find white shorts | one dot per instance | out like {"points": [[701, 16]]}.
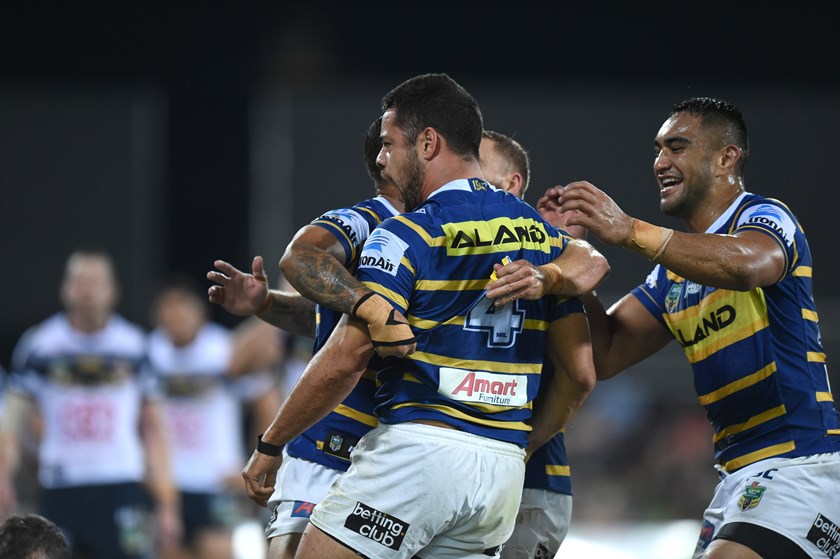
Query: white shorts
{"points": [[541, 525], [300, 485], [798, 498], [416, 489]]}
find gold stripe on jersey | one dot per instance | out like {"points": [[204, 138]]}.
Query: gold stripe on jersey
{"points": [[737, 385], [369, 374], [340, 231], [451, 285], [365, 418], [727, 317], [816, 357], [757, 455], [428, 239], [404, 262], [514, 425], [475, 365], [755, 420], [392, 295], [803, 271], [533, 324], [810, 315], [501, 234], [558, 470], [833, 432], [422, 323], [825, 397], [372, 213]]}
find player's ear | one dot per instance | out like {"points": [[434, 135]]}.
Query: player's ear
{"points": [[516, 185], [729, 155], [429, 143]]}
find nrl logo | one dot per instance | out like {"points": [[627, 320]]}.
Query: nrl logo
{"points": [[335, 442], [751, 497], [673, 297]]}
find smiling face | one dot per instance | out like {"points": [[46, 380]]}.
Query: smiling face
{"points": [[684, 165], [400, 162]]}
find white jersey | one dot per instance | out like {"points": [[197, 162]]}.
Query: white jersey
{"points": [[202, 407], [89, 388]]}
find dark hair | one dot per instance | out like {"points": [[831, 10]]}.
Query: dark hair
{"points": [[513, 152], [437, 101], [718, 113], [32, 536], [373, 145], [183, 286]]}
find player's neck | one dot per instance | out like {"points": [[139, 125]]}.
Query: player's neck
{"points": [[453, 168], [713, 206]]}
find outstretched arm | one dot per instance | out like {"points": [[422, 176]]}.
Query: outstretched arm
{"points": [[244, 294], [161, 485], [742, 261]]}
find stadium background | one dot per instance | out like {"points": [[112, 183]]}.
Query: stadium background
{"points": [[174, 134]]}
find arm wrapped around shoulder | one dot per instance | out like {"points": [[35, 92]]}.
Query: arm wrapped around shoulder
{"points": [[389, 330]]}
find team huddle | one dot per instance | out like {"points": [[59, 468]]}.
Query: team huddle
{"points": [[457, 333]]}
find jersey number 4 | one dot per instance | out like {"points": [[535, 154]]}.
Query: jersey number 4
{"points": [[501, 324]]}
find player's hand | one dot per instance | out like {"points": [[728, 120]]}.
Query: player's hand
{"points": [[517, 280], [238, 292], [389, 330], [260, 475], [593, 209], [550, 211]]}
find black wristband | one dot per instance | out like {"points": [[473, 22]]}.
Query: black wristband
{"points": [[361, 300], [268, 448]]}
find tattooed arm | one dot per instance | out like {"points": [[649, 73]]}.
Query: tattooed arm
{"points": [[313, 264]]}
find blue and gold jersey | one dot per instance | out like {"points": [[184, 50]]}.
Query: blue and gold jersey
{"points": [[330, 441], [759, 366], [548, 467], [477, 366]]}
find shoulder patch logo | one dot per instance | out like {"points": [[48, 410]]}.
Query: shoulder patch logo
{"points": [[383, 251]]}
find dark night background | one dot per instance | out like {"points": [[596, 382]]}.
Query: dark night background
{"points": [[175, 134]]}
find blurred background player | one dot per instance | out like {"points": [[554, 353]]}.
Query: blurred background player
{"points": [[103, 442], [204, 407]]}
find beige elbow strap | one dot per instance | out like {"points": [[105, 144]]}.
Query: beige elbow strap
{"points": [[553, 277], [648, 239]]}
